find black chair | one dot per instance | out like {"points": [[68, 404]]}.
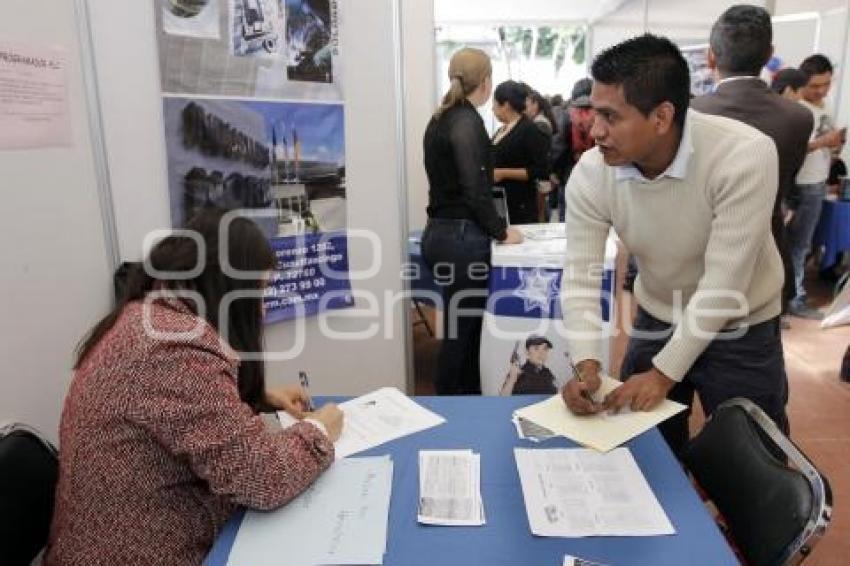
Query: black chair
{"points": [[776, 505], [29, 469]]}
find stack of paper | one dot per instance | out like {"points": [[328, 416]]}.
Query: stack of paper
{"points": [[602, 431], [576, 492], [376, 418], [528, 430], [340, 519], [450, 488]]}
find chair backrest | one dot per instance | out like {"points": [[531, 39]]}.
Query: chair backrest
{"points": [[774, 501], [29, 469]]}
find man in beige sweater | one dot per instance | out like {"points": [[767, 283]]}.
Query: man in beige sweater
{"points": [[691, 197]]}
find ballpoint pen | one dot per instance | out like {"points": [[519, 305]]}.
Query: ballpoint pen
{"points": [[305, 385], [585, 393]]}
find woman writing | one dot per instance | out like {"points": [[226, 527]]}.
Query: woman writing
{"points": [[160, 436], [462, 220], [520, 153]]}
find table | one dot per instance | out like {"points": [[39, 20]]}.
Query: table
{"points": [[483, 425], [832, 231]]}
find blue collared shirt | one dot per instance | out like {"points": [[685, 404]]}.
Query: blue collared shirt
{"points": [[677, 169]]}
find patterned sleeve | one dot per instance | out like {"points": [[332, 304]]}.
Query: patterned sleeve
{"points": [[188, 401]]}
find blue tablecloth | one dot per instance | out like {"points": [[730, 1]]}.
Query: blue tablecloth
{"points": [[483, 425], [833, 231]]}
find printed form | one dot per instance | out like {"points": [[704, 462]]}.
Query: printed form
{"points": [[577, 492], [450, 488]]}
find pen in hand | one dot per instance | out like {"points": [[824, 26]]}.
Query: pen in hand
{"points": [[305, 385], [577, 375]]}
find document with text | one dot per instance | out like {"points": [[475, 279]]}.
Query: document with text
{"points": [[375, 418], [340, 519], [602, 431], [450, 488], [576, 492]]}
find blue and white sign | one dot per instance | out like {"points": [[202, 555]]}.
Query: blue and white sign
{"points": [[523, 347]]}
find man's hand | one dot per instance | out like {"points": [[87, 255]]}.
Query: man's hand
{"points": [[289, 398], [642, 392], [831, 139], [577, 393]]}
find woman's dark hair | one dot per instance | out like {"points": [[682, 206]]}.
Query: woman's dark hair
{"points": [[795, 78], [651, 70], [545, 108], [513, 93], [247, 250]]}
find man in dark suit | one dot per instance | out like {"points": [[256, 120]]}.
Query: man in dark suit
{"points": [[740, 45]]}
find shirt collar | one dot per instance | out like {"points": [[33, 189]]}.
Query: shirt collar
{"points": [[678, 168], [736, 79]]}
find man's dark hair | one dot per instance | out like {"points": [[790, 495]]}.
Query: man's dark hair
{"points": [[513, 93], [651, 71], [816, 64], [557, 100], [741, 40], [795, 78]]}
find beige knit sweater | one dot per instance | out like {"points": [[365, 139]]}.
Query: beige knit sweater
{"points": [[706, 257]]}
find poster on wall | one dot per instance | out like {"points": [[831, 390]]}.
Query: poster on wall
{"points": [[191, 18], [275, 49], [284, 164], [34, 109], [523, 343], [254, 121]]}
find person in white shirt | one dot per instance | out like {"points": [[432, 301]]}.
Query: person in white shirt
{"points": [[691, 196], [811, 180]]}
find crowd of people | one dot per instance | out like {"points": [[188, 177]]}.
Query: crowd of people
{"points": [[716, 198]]}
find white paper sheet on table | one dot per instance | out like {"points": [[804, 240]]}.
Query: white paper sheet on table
{"points": [[450, 488], [340, 519], [602, 431], [375, 418], [576, 492]]}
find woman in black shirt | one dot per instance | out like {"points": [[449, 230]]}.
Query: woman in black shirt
{"points": [[520, 153], [462, 220]]}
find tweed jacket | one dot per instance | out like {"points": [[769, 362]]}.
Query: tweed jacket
{"points": [[157, 449]]}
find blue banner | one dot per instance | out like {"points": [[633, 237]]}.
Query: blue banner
{"points": [[312, 276], [533, 292]]}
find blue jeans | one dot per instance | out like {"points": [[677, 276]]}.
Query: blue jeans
{"points": [[800, 232], [450, 247]]}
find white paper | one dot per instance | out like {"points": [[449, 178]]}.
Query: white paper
{"points": [[340, 519], [576, 561], [376, 418], [450, 488], [576, 492], [602, 431], [177, 20], [33, 96]]}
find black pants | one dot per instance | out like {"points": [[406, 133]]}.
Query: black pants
{"points": [[751, 366], [777, 226], [458, 253]]}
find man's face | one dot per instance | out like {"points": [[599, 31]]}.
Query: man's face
{"points": [[817, 88], [582, 118], [622, 133], [537, 354]]}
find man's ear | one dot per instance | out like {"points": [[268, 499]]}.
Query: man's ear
{"points": [[711, 60], [664, 117]]}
